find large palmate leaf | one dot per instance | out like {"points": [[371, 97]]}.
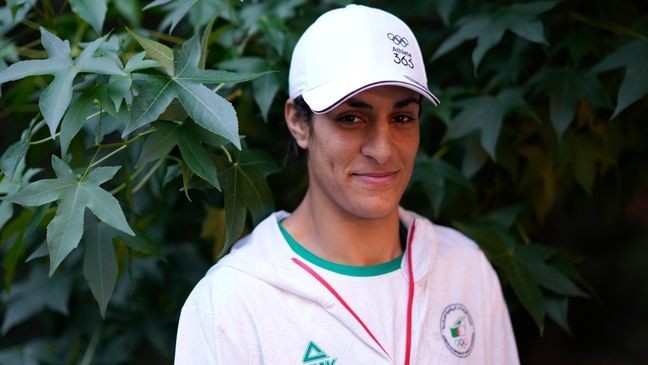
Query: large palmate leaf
{"points": [[566, 87], [485, 114], [489, 28], [190, 138], [525, 267], [73, 195], [56, 98], [634, 57], [186, 82], [245, 188]]}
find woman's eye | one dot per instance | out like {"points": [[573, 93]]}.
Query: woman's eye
{"points": [[403, 119], [350, 119]]}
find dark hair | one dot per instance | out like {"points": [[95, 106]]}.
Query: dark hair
{"points": [[295, 153]]}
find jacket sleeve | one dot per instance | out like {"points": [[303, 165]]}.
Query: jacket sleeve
{"points": [[215, 327]]}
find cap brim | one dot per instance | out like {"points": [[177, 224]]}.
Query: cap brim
{"points": [[325, 97]]}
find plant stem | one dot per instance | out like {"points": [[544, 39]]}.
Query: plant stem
{"points": [[229, 156], [607, 25], [92, 347], [441, 152], [124, 143], [107, 156], [148, 175], [45, 139]]}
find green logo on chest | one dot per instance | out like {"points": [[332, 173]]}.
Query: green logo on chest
{"points": [[314, 355]]}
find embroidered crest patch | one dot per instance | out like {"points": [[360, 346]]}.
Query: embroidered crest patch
{"points": [[458, 329]]}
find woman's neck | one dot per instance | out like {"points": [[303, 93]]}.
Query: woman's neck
{"points": [[343, 238]]}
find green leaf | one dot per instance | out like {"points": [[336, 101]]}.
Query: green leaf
{"points": [[143, 245], [187, 57], [265, 90], [36, 294], [492, 238], [585, 152], [204, 45], [209, 110], [204, 106], [34, 352], [634, 57], [100, 263], [20, 245], [546, 275], [129, 9], [154, 98], [506, 216], [245, 188], [159, 143], [219, 76], [119, 87], [485, 114], [56, 98], [176, 11], [39, 192], [445, 8], [475, 157], [566, 87], [275, 30], [92, 11], [12, 156], [65, 230], [80, 110], [526, 289], [197, 158], [557, 309], [434, 174], [157, 51], [488, 28]]}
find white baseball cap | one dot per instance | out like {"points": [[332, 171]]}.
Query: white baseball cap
{"points": [[351, 49]]}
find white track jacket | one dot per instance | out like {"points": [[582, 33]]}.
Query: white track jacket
{"points": [[266, 304]]}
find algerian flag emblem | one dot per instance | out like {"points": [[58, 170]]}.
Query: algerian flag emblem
{"points": [[458, 329]]}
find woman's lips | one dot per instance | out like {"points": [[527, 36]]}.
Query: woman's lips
{"points": [[376, 178]]}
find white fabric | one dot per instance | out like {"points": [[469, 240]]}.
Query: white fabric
{"points": [[256, 306], [350, 49]]}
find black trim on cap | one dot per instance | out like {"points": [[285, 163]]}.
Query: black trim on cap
{"points": [[416, 85]]}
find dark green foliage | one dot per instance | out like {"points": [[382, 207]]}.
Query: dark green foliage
{"points": [[165, 119]]}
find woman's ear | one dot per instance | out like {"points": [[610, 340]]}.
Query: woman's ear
{"points": [[298, 126]]}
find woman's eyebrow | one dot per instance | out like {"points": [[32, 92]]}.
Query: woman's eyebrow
{"points": [[405, 102], [357, 103]]}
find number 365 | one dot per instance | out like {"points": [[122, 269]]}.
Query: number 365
{"points": [[403, 60]]}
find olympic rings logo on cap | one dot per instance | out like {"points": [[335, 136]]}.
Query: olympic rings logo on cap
{"points": [[398, 40]]}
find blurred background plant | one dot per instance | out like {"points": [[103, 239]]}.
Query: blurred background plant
{"points": [[165, 120]]}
